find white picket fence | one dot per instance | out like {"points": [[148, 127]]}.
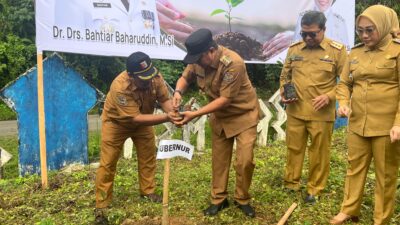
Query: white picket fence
{"points": [[275, 117]]}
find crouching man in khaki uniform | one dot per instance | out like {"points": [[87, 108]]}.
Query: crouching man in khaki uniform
{"points": [[128, 113], [233, 104]]}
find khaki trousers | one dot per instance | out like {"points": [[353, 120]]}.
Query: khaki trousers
{"points": [[222, 149], [297, 133], [113, 138], [386, 160]]}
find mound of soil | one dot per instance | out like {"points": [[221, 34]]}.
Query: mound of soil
{"points": [[246, 47]]}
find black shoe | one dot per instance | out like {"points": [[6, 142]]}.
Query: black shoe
{"points": [[152, 197], [213, 209], [311, 199], [100, 216], [246, 209]]}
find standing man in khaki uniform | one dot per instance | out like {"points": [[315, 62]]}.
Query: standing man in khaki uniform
{"points": [[368, 93], [233, 104], [312, 66], [128, 113]]}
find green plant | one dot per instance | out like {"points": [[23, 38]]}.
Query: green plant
{"points": [[231, 4], [6, 113]]}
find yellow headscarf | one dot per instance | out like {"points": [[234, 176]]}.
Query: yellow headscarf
{"points": [[395, 22], [383, 19]]}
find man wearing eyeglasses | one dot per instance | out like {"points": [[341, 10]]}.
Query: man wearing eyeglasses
{"points": [[311, 66]]}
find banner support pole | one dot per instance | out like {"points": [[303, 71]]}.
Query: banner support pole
{"points": [[41, 120], [165, 216]]}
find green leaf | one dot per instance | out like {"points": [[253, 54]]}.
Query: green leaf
{"points": [[217, 11], [236, 2]]}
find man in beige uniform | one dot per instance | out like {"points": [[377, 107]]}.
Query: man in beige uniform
{"points": [[233, 104], [128, 113], [312, 66]]}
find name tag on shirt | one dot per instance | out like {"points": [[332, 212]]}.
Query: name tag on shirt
{"points": [[101, 5]]}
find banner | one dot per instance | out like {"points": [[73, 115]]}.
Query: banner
{"points": [[172, 148], [258, 30]]}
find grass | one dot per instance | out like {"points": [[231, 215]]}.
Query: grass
{"points": [[6, 113], [70, 197]]}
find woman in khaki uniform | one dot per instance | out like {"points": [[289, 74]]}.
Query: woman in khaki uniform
{"points": [[368, 93]]}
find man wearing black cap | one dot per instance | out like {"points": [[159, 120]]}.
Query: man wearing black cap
{"points": [[234, 114], [128, 113]]}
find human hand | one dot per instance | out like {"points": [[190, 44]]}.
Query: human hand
{"points": [[395, 134], [277, 44], [343, 111], [286, 101], [320, 101], [168, 16], [187, 117], [174, 11], [174, 116], [176, 100]]}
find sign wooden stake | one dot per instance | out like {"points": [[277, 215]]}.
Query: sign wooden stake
{"points": [[165, 216], [42, 128]]}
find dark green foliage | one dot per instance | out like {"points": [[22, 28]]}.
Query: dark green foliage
{"points": [[16, 57], [17, 35], [171, 70], [100, 71]]}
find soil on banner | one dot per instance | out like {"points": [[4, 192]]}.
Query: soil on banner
{"points": [[246, 47]]}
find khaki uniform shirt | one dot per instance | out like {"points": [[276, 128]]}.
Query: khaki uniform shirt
{"points": [[371, 81], [313, 73], [125, 101], [227, 77]]}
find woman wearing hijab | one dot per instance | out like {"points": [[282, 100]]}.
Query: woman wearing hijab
{"points": [[368, 93]]}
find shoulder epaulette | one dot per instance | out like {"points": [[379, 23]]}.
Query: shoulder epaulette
{"points": [[226, 60], [358, 45], [338, 16], [295, 43], [396, 40], [336, 45]]}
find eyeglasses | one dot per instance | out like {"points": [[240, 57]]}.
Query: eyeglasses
{"points": [[368, 31], [311, 34]]}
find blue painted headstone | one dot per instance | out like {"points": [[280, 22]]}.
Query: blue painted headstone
{"points": [[67, 99]]}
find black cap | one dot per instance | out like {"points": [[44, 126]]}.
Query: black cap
{"points": [[139, 64], [197, 43]]}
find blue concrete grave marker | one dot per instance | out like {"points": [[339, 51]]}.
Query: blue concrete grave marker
{"points": [[67, 99]]}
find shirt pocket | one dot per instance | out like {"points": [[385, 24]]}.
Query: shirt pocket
{"points": [[354, 70], [295, 68], [296, 64], [201, 82], [216, 85], [324, 72], [387, 68]]}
